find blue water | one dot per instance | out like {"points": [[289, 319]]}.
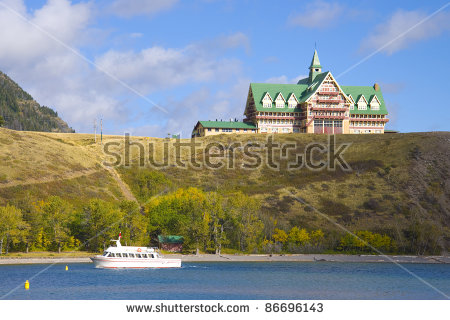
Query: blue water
{"points": [[228, 280]]}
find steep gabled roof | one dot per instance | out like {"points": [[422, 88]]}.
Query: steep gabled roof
{"points": [[361, 96], [290, 96], [278, 95], [314, 86], [260, 89], [266, 94], [374, 97], [368, 92]]}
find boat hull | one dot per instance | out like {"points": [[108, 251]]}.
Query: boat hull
{"points": [[107, 262]]}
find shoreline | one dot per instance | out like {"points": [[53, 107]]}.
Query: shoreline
{"points": [[253, 258]]}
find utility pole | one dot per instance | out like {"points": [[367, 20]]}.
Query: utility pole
{"points": [[101, 131], [95, 130]]}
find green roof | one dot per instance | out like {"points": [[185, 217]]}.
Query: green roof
{"points": [[227, 124], [315, 63], [368, 92], [300, 90], [303, 91], [170, 239]]}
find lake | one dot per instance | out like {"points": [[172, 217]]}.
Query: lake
{"points": [[228, 280]]}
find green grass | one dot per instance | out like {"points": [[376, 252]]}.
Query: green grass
{"points": [[396, 178]]}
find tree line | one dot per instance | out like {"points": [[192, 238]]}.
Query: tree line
{"points": [[208, 222]]}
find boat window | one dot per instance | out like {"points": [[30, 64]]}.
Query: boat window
{"points": [[105, 253], [118, 255], [138, 255], [144, 255], [131, 255], [112, 255], [152, 256], [125, 255]]}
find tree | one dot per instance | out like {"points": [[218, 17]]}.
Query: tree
{"points": [[298, 237], [12, 226], [218, 220], [134, 224], [2, 121], [244, 211], [280, 236], [317, 237], [101, 223], [57, 215]]}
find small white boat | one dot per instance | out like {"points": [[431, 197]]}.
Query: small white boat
{"points": [[133, 257]]}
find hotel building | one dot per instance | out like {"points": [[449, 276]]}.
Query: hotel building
{"points": [[316, 104]]}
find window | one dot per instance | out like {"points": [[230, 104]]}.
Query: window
{"points": [[125, 255], [267, 101], [105, 253], [227, 130], [118, 255], [209, 129], [144, 255], [112, 255], [217, 130], [138, 255], [131, 255], [237, 130]]}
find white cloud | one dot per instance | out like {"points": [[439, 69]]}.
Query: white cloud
{"points": [[56, 77], [156, 67], [285, 79], [130, 8], [201, 104], [22, 43], [401, 22], [318, 14]]}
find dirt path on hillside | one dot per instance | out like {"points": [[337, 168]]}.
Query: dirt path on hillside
{"points": [[126, 191], [64, 176]]}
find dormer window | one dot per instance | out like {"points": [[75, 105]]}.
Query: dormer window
{"points": [[292, 102], [362, 103], [352, 106], [375, 103], [279, 101], [267, 101]]}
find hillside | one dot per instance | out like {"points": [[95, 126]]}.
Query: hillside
{"points": [[21, 112], [399, 183]]}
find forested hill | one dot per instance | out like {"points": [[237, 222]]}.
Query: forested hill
{"points": [[21, 112]]}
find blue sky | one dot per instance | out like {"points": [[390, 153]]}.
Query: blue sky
{"points": [[153, 67]]}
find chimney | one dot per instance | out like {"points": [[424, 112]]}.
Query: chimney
{"points": [[376, 86]]}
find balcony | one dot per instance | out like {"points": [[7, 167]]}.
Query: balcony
{"points": [[330, 101], [328, 93], [370, 119], [328, 109], [328, 117]]}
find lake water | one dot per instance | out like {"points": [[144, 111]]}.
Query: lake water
{"points": [[228, 280]]}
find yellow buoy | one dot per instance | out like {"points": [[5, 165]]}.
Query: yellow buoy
{"points": [[27, 285], [67, 268]]}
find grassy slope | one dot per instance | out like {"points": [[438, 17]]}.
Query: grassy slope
{"points": [[396, 178]]}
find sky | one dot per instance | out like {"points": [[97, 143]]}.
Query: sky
{"points": [[154, 67]]}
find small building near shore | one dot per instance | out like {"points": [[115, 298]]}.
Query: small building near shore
{"points": [[171, 243]]}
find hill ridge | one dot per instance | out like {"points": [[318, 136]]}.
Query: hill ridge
{"points": [[21, 112]]}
